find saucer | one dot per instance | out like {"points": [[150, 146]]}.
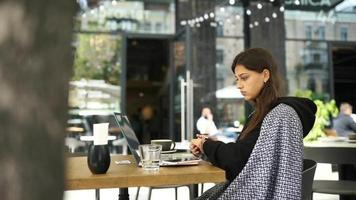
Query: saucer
{"points": [[170, 151]]}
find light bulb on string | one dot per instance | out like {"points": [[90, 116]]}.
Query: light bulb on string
{"points": [[183, 23], [251, 25], [271, 1], [274, 15], [198, 25], [201, 19], [259, 6], [267, 19], [248, 12], [222, 9], [238, 17], [231, 2], [114, 3], [228, 20], [256, 23], [297, 2], [281, 8], [206, 16], [212, 15]]}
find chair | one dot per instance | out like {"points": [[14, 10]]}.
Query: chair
{"points": [[121, 142], [335, 187], [345, 158], [308, 178]]}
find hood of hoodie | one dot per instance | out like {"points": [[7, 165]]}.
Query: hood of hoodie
{"points": [[305, 109]]}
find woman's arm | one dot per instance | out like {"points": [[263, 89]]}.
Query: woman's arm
{"points": [[231, 157]]}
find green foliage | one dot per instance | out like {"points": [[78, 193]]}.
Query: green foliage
{"points": [[96, 58], [326, 110]]}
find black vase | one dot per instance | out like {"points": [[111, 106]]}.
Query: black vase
{"points": [[98, 159]]}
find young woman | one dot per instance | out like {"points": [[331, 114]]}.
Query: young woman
{"points": [[258, 80]]}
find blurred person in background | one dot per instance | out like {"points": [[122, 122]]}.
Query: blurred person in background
{"points": [[205, 123], [344, 123]]}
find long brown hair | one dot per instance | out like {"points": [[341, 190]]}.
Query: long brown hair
{"points": [[258, 59]]}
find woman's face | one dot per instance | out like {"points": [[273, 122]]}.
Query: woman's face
{"points": [[249, 82]]}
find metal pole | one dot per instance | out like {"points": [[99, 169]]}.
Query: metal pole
{"points": [[188, 105], [191, 110], [182, 109]]}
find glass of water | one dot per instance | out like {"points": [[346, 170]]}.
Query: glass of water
{"points": [[150, 156]]}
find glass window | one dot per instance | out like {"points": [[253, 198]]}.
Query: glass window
{"points": [[230, 106], [95, 85], [319, 25], [343, 33], [321, 33], [220, 30], [130, 16], [308, 31], [220, 56], [307, 67]]}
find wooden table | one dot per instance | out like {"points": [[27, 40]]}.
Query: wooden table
{"points": [[78, 175], [342, 153]]}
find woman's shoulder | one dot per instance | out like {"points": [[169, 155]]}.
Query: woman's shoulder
{"points": [[303, 107]]}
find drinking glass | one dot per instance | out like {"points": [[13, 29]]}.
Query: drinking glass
{"points": [[150, 156]]}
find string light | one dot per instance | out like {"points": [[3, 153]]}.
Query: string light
{"points": [[248, 12], [196, 21], [297, 2], [281, 8], [274, 15], [114, 3]]}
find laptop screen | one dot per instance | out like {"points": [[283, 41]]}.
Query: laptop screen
{"points": [[129, 134]]}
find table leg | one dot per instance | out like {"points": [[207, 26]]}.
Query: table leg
{"points": [[97, 194], [193, 191], [124, 194]]}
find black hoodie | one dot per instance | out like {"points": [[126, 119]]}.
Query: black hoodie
{"points": [[232, 157]]}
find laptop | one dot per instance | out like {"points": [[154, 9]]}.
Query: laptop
{"points": [[133, 143]]}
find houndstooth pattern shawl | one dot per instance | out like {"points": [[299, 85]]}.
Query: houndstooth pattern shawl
{"points": [[274, 169]]}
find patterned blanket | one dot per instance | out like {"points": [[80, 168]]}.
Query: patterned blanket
{"points": [[274, 169]]}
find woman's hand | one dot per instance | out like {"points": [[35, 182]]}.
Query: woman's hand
{"points": [[196, 145]]}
